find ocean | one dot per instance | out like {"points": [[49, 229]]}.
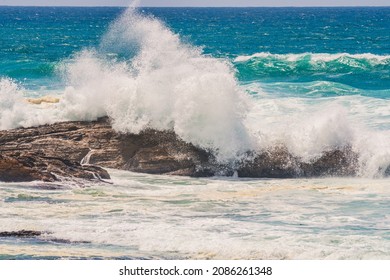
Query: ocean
{"points": [[227, 80]]}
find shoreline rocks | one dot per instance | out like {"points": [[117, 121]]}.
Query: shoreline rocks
{"points": [[82, 149], [21, 233], [40, 235], [279, 163]]}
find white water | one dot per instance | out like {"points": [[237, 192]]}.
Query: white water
{"points": [[373, 59], [166, 85], [165, 217], [160, 82], [15, 111]]}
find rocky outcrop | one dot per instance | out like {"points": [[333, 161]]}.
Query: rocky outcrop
{"points": [[44, 236], [82, 149], [279, 163], [274, 163], [21, 233], [31, 166], [339, 162]]}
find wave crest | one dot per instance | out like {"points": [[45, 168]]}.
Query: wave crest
{"points": [[372, 59], [357, 70], [165, 85]]}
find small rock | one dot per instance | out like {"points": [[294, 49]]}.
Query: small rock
{"points": [[21, 233], [275, 163]]}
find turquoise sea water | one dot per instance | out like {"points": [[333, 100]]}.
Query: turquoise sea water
{"points": [[228, 80], [35, 40]]}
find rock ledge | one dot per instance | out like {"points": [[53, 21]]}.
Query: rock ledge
{"points": [[82, 149]]}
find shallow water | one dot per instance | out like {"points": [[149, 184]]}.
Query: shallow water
{"points": [[164, 217]]}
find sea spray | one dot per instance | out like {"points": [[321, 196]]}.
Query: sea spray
{"points": [[16, 111], [307, 128], [159, 82], [10, 100]]}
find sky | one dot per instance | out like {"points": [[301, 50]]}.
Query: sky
{"points": [[197, 3]]}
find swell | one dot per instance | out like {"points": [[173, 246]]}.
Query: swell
{"points": [[36, 70], [366, 71], [313, 89]]}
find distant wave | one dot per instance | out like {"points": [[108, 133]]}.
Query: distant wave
{"points": [[347, 58], [358, 70], [313, 89], [40, 70]]}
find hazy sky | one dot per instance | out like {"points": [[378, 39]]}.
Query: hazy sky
{"points": [[177, 3]]}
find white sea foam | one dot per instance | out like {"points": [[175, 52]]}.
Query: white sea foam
{"points": [[308, 127], [317, 57], [168, 217], [10, 97], [15, 111]]}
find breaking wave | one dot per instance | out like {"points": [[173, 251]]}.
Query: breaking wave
{"points": [[153, 80], [143, 76], [357, 70], [342, 58]]}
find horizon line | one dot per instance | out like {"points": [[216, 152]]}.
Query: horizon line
{"points": [[116, 6]]}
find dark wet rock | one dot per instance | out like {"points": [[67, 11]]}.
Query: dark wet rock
{"points": [[40, 235], [167, 155], [31, 166], [340, 162], [275, 163], [21, 233], [65, 241], [20, 169], [387, 171], [71, 150], [46, 153], [279, 163]]}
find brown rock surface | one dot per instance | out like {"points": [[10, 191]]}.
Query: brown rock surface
{"points": [[77, 149], [51, 152]]}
